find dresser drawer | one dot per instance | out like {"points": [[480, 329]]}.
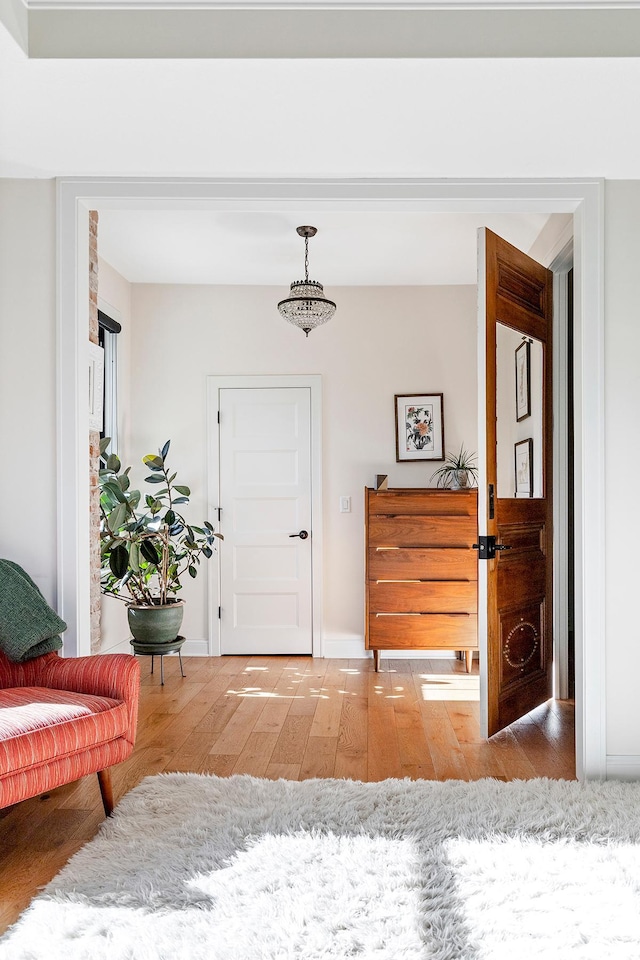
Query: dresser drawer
{"points": [[415, 563], [433, 596], [410, 502], [406, 531], [427, 631]]}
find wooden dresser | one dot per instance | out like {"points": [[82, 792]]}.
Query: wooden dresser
{"points": [[421, 570]]}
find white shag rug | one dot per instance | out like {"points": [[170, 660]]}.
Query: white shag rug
{"points": [[196, 867]]}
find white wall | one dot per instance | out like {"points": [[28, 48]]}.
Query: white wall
{"points": [[27, 379], [622, 412], [381, 341]]}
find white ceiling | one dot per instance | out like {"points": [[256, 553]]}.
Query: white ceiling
{"points": [[350, 248], [339, 118]]}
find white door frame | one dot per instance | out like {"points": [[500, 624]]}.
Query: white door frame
{"points": [[314, 384], [583, 198], [560, 265]]}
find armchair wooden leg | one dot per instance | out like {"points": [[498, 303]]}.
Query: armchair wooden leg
{"points": [[106, 790]]}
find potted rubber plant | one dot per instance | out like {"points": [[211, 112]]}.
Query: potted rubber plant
{"points": [[458, 471], [147, 545]]}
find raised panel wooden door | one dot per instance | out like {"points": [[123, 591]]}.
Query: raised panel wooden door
{"points": [[519, 464], [265, 493]]}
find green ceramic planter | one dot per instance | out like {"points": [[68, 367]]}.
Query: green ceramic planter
{"points": [[156, 624]]}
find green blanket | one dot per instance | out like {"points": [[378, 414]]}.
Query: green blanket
{"points": [[28, 625]]}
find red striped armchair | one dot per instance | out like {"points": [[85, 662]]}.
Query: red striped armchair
{"points": [[63, 719]]}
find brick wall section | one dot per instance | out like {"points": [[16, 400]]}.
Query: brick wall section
{"points": [[94, 445]]}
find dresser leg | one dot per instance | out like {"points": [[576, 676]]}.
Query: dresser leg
{"points": [[376, 661], [468, 655]]}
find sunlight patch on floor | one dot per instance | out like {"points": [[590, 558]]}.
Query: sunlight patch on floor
{"points": [[450, 686]]}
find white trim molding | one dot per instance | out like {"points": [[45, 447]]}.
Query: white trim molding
{"points": [[583, 198], [111, 29], [561, 265], [623, 767]]}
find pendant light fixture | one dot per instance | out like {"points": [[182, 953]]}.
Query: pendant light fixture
{"points": [[306, 306]]}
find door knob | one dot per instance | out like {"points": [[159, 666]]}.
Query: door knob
{"points": [[303, 534], [487, 547]]}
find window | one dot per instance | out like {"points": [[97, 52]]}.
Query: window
{"points": [[108, 330]]}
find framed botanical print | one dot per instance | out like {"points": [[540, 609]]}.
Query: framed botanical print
{"points": [[524, 468], [419, 426], [523, 381]]}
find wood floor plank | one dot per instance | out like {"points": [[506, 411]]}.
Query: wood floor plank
{"points": [[326, 717], [236, 732], [308, 687], [273, 716], [283, 771], [383, 755], [351, 751], [256, 754], [413, 747], [319, 758], [219, 764], [292, 740]]}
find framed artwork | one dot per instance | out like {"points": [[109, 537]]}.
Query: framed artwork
{"points": [[523, 381], [419, 426], [524, 468]]}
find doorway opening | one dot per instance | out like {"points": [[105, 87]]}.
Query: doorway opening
{"points": [[582, 199]]}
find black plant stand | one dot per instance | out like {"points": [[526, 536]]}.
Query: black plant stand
{"points": [[159, 650]]}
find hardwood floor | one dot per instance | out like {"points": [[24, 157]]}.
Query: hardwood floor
{"points": [[294, 718]]}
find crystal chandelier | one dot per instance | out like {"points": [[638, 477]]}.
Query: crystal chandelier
{"points": [[306, 306]]}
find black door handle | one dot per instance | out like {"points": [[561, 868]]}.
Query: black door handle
{"points": [[303, 534], [487, 546]]}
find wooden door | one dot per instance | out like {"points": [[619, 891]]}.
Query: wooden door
{"points": [[265, 495], [519, 461]]}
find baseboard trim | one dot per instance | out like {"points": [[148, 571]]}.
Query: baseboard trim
{"points": [[344, 648], [195, 648], [123, 646], [333, 648], [625, 767]]}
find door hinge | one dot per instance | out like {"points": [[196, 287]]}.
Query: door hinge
{"points": [[219, 512], [218, 416], [219, 613]]}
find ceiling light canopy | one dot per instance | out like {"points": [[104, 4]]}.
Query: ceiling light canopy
{"points": [[306, 306]]}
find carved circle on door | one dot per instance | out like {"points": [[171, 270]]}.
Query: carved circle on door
{"points": [[520, 634]]}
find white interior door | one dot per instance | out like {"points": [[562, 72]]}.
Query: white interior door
{"points": [[265, 496]]}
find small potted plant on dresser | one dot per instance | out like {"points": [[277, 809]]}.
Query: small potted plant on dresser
{"points": [[458, 471], [145, 551]]}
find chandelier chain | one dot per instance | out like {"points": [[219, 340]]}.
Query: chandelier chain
{"points": [[306, 259]]}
